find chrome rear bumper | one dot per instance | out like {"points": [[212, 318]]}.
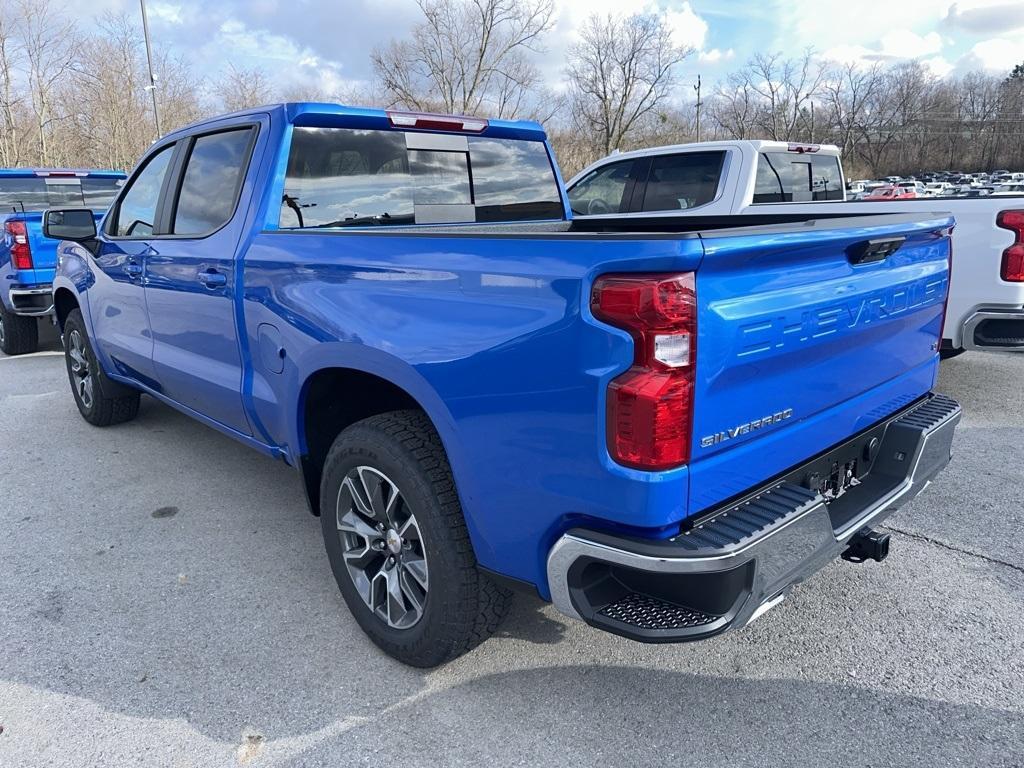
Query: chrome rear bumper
{"points": [[31, 302], [743, 558], [995, 329]]}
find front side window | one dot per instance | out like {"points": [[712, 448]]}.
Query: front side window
{"points": [[340, 177], [681, 182], [602, 190], [136, 213], [213, 176]]}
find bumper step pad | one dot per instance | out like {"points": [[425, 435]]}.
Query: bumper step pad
{"points": [[646, 612]]}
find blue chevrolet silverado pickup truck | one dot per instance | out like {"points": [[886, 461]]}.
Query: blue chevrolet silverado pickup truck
{"points": [[27, 259], [659, 426]]}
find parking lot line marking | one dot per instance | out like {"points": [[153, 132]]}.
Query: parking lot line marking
{"points": [[33, 354]]}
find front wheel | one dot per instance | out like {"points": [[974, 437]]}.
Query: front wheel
{"points": [[398, 545], [101, 402], [19, 335]]}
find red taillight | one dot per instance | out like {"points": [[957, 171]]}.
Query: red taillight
{"points": [[21, 252], [650, 406], [437, 122], [1013, 257]]}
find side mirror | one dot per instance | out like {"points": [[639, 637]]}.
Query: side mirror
{"points": [[75, 224]]}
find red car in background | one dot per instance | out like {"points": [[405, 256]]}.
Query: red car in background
{"points": [[891, 193]]}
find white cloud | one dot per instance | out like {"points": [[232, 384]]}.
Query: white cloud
{"points": [[716, 55], [688, 29], [169, 13], [939, 65], [897, 45], [999, 54]]}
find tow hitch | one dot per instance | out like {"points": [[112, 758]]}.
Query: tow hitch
{"points": [[867, 544]]}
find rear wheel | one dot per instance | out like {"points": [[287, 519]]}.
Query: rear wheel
{"points": [[101, 402], [398, 545], [18, 335]]}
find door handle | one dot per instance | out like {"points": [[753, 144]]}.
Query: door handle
{"points": [[211, 278], [132, 269]]}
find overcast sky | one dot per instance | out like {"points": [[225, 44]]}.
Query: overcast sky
{"points": [[329, 42]]}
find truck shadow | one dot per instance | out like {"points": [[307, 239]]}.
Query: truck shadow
{"points": [[621, 716]]}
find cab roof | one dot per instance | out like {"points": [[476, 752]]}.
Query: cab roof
{"points": [[28, 173], [317, 114]]}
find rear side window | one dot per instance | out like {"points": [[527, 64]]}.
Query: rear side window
{"points": [[213, 176], [784, 177], [684, 181], [340, 177], [602, 190], [136, 213]]}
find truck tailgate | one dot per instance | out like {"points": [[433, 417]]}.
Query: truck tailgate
{"points": [[808, 334]]}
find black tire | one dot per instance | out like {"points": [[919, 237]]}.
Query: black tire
{"points": [[104, 402], [18, 335], [461, 606], [949, 354]]}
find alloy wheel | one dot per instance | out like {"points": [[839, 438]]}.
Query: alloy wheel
{"points": [[82, 377], [382, 547]]}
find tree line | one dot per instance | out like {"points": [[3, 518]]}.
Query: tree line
{"points": [[70, 97]]}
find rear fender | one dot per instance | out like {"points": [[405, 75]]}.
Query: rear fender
{"points": [[377, 363]]}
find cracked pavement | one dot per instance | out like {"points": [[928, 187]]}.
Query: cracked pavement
{"points": [[166, 602]]}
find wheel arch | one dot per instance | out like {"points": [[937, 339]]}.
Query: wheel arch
{"points": [[333, 397], [64, 303]]}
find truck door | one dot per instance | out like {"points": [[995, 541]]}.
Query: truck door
{"points": [[190, 277], [117, 303]]}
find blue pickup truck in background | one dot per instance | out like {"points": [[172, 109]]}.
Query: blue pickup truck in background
{"points": [[27, 259], [660, 426]]}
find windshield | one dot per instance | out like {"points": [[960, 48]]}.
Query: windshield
{"points": [[37, 193]]}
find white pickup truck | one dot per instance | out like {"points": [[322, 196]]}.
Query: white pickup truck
{"points": [[771, 181]]}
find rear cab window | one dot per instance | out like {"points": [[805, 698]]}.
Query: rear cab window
{"points": [[789, 177], [37, 193], [343, 177]]}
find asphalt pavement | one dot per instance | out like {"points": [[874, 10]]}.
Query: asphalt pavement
{"points": [[165, 600]]}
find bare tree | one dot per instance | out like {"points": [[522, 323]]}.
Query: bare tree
{"points": [[241, 88], [732, 107], [10, 149], [48, 38], [620, 72], [467, 57], [846, 91]]}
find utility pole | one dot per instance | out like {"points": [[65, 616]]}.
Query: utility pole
{"points": [[812, 121], [152, 78], [697, 89]]}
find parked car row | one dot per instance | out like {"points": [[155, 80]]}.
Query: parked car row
{"points": [[941, 184], [658, 400]]}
